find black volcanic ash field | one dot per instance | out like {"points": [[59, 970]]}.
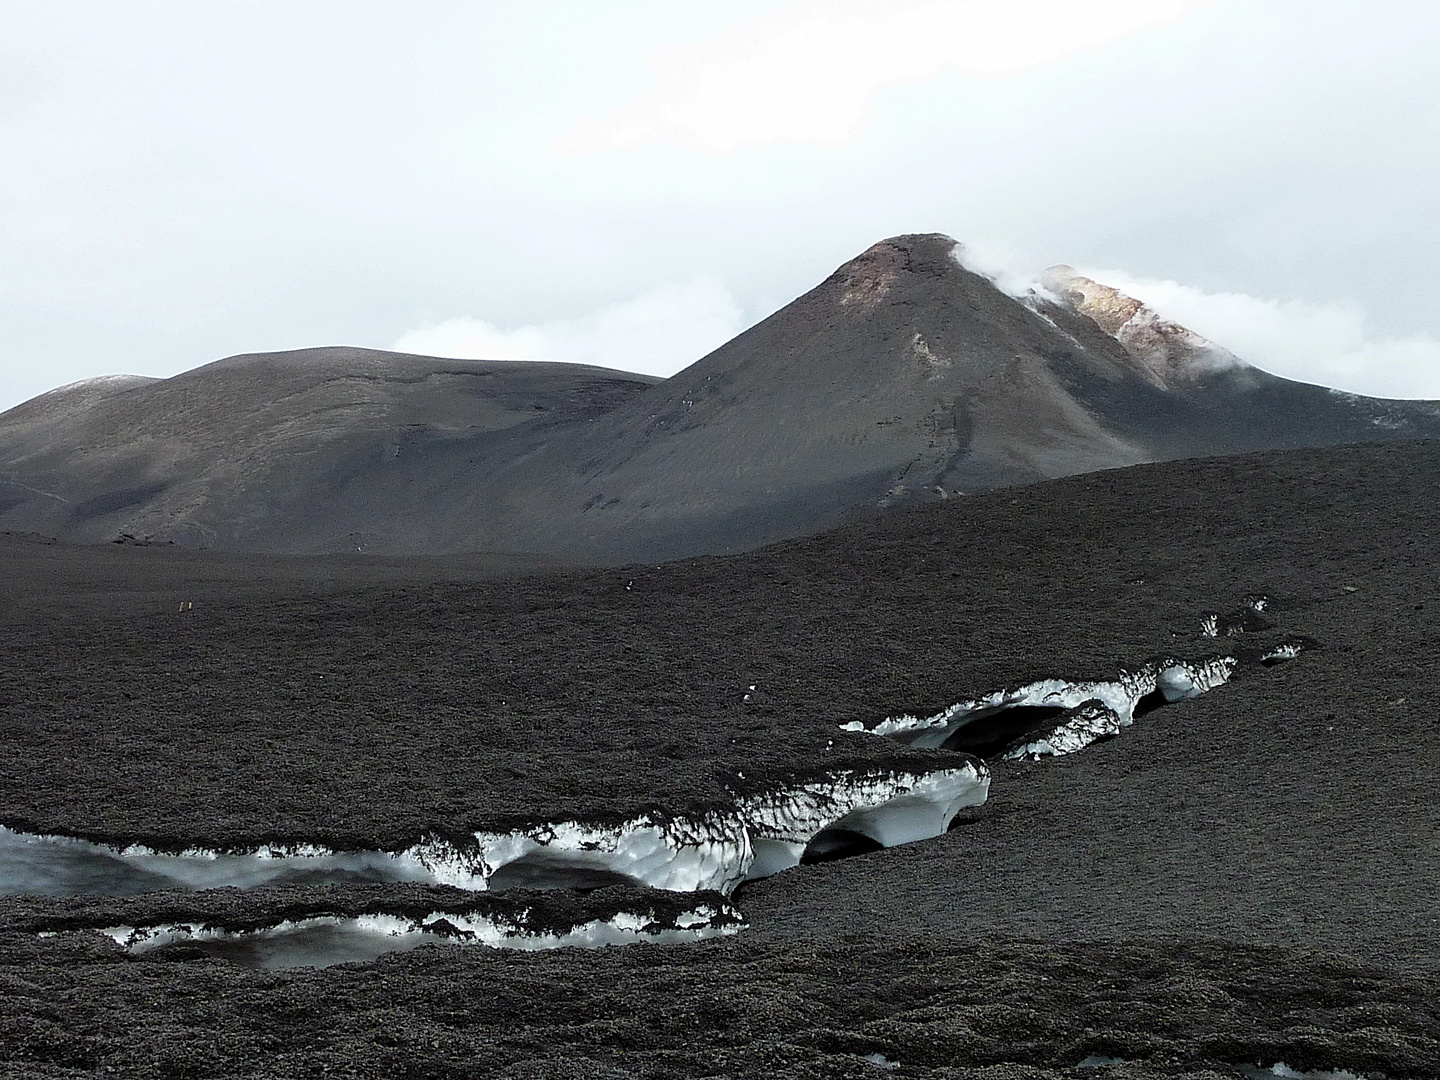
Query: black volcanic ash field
{"points": [[1249, 876]]}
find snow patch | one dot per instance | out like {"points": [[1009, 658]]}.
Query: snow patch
{"points": [[761, 835], [63, 866], [680, 855], [1281, 653], [323, 941], [1280, 1069], [1174, 680], [1255, 1072], [888, 809], [1078, 728]]}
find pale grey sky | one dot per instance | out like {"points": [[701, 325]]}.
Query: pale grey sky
{"points": [[631, 182]]}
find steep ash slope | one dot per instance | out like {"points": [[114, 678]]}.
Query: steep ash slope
{"points": [[902, 376]]}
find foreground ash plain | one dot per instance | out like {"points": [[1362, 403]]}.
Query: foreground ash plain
{"points": [[1245, 878]]}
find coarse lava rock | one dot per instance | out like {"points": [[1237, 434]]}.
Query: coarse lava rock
{"points": [[940, 1007]]}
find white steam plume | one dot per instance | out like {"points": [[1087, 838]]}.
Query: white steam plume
{"points": [[999, 267], [1329, 344]]}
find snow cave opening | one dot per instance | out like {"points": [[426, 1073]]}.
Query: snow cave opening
{"points": [[837, 843], [543, 869], [1149, 703], [989, 731]]}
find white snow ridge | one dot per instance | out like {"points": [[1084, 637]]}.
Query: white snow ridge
{"points": [[760, 835], [1080, 726], [325, 940], [1088, 710], [765, 834], [886, 809]]}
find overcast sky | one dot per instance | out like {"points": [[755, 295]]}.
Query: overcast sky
{"points": [[631, 182]]}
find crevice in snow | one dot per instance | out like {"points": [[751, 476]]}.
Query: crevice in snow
{"points": [[836, 842], [760, 835], [323, 941], [990, 731]]}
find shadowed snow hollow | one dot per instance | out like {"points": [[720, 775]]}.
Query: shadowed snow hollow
{"points": [[1054, 716]]}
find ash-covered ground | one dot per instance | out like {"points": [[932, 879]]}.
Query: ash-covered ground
{"points": [[1248, 877]]}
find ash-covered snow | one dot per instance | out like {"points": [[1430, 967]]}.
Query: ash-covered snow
{"points": [[64, 865], [680, 855], [889, 808], [1281, 653], [1280, 1070], [1174, 679], [1254, 1072], [1108, 706], [761, 834], [322, 941], [1284, 1071], [1074, 730]]}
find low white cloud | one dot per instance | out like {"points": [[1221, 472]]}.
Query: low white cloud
{"points": [[1329, 344], [808, 71], [658, 332]]}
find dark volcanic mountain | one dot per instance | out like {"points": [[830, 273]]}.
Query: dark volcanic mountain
{"points": [[265, 451], [902, 378]]}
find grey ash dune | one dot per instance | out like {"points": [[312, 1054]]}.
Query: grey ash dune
{"points": [[292, 451], [1247, 877], [901, 378]]}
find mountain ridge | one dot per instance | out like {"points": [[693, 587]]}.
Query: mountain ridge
{"points": [[903, 377]]}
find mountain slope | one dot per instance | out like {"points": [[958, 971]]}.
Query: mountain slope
{"points": [[903, 377], [1218, 403], [229, 453]]}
